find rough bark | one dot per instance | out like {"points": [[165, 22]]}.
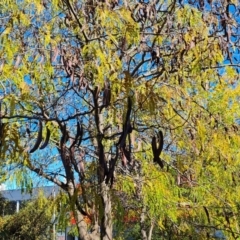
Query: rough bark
{"points": [[82, 227], [106, 233], [142, 224], [81, 224], [138, 183], [150, 231]]}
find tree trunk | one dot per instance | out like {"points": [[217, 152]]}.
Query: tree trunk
{"points": [[106, 228], [139, 186], [82, 227], [142, 223], [151, 231], [81, 224]]}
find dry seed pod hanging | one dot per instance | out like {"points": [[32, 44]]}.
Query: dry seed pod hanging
{"points": [[39, 138]]}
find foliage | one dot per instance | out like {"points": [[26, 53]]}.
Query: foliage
{"points": [[6, 207], [33, 221], [90, 89]]}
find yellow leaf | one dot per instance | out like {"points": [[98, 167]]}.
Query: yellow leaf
{"points": [[7, 30], [24, 87]]}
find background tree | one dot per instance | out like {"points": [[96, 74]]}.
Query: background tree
{"points": [[33, 221], [6, 206], [127, 102]]}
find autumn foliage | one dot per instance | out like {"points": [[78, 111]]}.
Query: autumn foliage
{"points": [[132, 104]]}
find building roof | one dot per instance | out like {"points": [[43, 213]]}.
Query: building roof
{"points": [[19, 195]]}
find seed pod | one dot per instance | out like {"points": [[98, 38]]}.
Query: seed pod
{"points": [[1, 132], [78, 136], [39, 138], [160, 139], [157, 148], [127, 125], [28, 130], [106, 95], [81, 135], [154, 145], [46, 140], [207, 213], [64, 134]]}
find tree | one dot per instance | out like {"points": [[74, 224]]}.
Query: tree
{"points": [[33, 221], [6, 207], [115, 101]]}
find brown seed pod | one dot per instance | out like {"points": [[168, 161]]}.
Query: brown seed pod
{"points": [[39, 138], [46, 140], [1, 132], [157, 148], [207, 213], [160, 139], [154, 144], [127, 125], [106, 95], [78, 137], [64, 137], [81, 134]]}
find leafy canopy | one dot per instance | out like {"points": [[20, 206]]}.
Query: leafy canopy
{"points": [[70, 67]]}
